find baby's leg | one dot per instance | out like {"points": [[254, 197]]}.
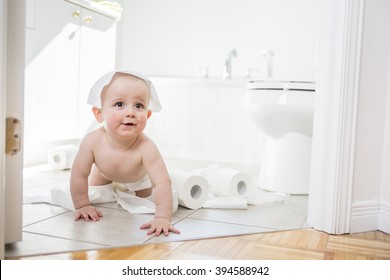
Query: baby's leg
{"points": [[144, 192], [96, 179]]}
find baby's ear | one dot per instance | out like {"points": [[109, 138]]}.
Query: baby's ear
{"points": [[149, 113], [97, 113]]}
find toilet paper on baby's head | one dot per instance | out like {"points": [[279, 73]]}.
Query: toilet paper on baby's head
{"points": [[97, 88]]}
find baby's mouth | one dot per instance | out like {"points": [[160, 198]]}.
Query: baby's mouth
{"points": [[129, 124]]}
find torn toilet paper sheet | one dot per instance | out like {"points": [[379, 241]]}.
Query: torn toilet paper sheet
{"points": [[61, 196], [102, 194], [134, 204], [259, 197], [139, 205], [226, 202], [262, 197], [36, 199]]}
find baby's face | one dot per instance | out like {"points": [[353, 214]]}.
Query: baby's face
{"points": [[125, 105]]}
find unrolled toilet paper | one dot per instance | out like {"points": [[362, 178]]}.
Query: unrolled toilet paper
{"points": [[61, 196], [134, 204], [230, 182], [62, 157], [226, 202], [175, 200], [193, 190]]}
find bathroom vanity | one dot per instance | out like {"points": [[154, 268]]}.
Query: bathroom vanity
{"points": [[69, 44]]}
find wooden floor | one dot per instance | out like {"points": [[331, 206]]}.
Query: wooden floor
{"points": [[303, 244]]}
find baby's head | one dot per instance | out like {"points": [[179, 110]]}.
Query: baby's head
{"points": [[97, 90]]}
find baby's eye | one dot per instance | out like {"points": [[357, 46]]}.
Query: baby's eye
{"points": [[139, 106], [119, 104]]}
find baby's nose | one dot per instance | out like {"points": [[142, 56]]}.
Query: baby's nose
{"points": [[129, 112]]}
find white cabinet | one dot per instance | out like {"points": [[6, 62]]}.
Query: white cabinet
{"points": [[67, 48]]}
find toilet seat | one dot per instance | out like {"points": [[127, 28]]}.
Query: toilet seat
{"points": [[266, 84]]}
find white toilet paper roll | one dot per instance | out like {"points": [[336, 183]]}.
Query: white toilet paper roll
{"points": [[62, 157], [230, 182], [193, 190]]}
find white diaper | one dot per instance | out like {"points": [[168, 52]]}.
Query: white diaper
{"points": [[133, 187]]}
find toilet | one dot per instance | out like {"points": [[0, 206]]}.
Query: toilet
{"points": [[283, 111]]}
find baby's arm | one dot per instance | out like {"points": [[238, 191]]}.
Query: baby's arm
{"points": [[158, 174], [79, 183]]}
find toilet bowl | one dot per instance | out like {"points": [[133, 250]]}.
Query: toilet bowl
{"points": [[283, 111]]}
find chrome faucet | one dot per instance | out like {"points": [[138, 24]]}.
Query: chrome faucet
{"points": [[268, 54], [227, 69]]}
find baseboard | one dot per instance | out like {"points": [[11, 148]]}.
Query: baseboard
{"points": [[384, 216], [365, 216]]}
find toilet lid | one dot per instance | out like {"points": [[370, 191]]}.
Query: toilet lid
{"points": [[280, 85]]}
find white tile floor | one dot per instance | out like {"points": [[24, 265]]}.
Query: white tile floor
{"points": [[51, 229]]}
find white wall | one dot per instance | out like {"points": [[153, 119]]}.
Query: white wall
{"points": [[178, 37], [372, 97], [371, 184], [384, 214], [204, 119]]}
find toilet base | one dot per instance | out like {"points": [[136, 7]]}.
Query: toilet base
{"points": [[285, 166]]}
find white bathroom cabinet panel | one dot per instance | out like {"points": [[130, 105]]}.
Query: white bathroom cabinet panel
{"points": [[97, 56], [203, 120], [68, 48]]}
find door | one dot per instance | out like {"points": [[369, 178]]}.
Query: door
{"points": [[12, 78], [2, 122]]}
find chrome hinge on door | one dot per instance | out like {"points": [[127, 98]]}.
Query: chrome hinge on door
{"points": [[13, 136]]}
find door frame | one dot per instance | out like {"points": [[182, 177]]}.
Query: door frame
{"points": [[335, 115], [12, 36]]}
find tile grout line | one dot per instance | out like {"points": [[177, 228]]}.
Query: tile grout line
{"points": [[45, 219], [174, 223], [245, 225], [69, 239]]}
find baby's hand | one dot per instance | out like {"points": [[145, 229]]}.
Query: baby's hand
{"points": [[88, 212], [158, 226]]}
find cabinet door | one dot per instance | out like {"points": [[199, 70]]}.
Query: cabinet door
{"points": [[97, 56], [52, 61]]}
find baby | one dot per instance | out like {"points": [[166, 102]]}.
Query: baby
{"points": [[119, 151]]}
